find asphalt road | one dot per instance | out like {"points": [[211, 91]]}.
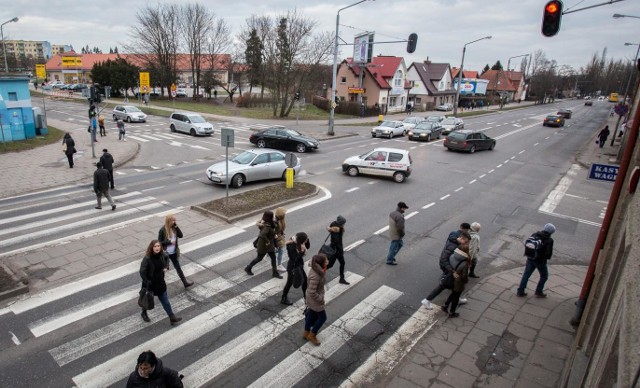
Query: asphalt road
{"points": [[230, 336]]}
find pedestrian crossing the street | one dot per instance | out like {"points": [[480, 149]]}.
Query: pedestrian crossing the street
{"points": [[92, 334]]}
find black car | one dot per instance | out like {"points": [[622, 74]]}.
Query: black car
{"points": [[283, 138], [553, 121], [469, 140], [566, 113]]}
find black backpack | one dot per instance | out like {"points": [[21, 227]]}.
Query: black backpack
{"points": [[533, 247]]}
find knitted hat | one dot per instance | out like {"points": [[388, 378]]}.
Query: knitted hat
{"points": [[341, 220], [475, 227], [549, 228]]}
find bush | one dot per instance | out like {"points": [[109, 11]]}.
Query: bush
{"points": [[247, 100]]}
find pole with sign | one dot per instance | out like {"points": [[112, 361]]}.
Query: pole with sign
{"points": [[145, 83], [290, 160], [173, 94], [226, 140]]}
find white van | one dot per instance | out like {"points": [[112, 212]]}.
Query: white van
{"points": [[191, 123]]}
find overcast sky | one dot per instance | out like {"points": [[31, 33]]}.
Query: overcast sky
{"points": [[443, 26]]}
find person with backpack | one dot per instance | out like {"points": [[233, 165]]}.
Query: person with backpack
{"points": [[538, 250]]}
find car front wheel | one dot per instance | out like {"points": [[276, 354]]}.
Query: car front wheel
{"points": [[237, 181], [492, 146], [261, 143], [399, 177], [428, 138], [192, 132], [472, 149], [115, 118], [301, 148], [128, 119], [353, 171], [173, 128]]}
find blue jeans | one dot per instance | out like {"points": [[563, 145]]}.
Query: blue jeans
{"points": [[164, 301], [279, 254], [313, 320], [528, 270], [394, 248]]}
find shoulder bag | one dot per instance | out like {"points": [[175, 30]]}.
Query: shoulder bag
{"points": [[145, 300], [327, 249]]}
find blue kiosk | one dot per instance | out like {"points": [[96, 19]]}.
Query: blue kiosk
{"points": [[16, 113]]}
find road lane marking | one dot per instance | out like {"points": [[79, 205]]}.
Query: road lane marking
{"points": [[428, 205], [556, 195], [352, 190], [445, 197]]}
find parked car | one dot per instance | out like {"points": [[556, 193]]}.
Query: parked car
{"points": [[601, 98], [587, 97], [128, 113], [425, 131], [55, 84], [553, 121], [411, 122], [181, 92], [444, 107], [566, 113], [588, 102], [385, 162], [435, 118], [469, 140], [251, 165], [389, 128], [283, 138], [191, 123], [451, 124]]}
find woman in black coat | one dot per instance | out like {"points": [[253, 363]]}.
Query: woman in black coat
{"points": [[150, 372], [296, 248], [67, 141], [154, 264]]}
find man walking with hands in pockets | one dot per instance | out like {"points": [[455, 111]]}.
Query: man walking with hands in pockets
{"points": [[396, 232]]}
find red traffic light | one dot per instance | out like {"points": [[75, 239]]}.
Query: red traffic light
{"points": [[551, 18]]}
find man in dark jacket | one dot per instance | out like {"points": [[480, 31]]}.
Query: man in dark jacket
{"points": [[396, 232], [445, 265], [107, 163], [539, 263], [150, 372], [336, 230], [464, 227], [101, 186]]}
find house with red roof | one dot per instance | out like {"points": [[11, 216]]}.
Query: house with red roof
{"points": [[465, 73], [383, 83], [499, 84], [431, 85], [77, 67]]}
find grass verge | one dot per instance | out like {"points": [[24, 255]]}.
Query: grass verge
{"points": [[54, 136]]}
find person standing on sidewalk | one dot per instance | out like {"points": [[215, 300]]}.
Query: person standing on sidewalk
{"points": [[474, 248], [445, 266], [107, 163], [296, 249], [336, 231], [280, 240], [545, 251], [69, 148], [101, 186], [265, 244], [453, 236], [459, 261], [168, 236], [103, 132], [121, 131], [396, 232], [152, 269], [315, 315], [150, 372], [603, 135]]}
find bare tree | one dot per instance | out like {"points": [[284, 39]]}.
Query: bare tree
{"points": [[155, 39], [196, 23]]}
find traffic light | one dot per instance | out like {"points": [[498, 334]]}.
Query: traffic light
{"points": [[412, 43], [551, 17]]}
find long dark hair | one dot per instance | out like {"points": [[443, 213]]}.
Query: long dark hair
{"points": [[301, 240], [149, 251], [148, 357], [267, 218]]}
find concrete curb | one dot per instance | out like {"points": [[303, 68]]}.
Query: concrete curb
{"points": [[19, 289]]}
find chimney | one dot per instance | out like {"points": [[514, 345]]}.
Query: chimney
{"points": [[427, 61]]}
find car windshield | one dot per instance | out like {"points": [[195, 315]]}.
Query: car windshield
{"points": [[433, 118], [449, 121], [244, 158], [425, 125], [197, 119], [389, 124], [553, 117], [132, 109], [410, 120]]}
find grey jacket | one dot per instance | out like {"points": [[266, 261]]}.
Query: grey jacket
{"points": [[396, 225]]}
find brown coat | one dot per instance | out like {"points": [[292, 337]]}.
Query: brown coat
{"points": [[265, 238], [315, 289]]}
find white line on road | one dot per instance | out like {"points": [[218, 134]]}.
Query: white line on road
{"points": [[458, 189], [445, 197], [473, 181], [555, 196], [428, 205], [352, 190], [138, 138], [482, 176], [490, 171], [410, 215], [354, 245]]}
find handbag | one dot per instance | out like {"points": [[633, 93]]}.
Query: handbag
{"points": [[255, 242], [327, 249], [64, 147], [145, 300], [298, 276]]}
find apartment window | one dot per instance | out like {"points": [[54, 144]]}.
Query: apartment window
{"points": [[343, 80], [397, 82], [13, 96]]}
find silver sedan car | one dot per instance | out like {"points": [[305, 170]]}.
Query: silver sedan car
{"points": [[128, 113], [252, 165]]}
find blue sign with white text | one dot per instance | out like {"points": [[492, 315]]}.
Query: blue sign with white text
{"points": [[603, 172]]}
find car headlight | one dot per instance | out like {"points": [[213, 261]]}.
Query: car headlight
{"points": [[410, 133]]}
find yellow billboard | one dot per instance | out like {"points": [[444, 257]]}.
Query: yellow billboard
{"points": [[71, 62], [145, 83], [41, 72]]}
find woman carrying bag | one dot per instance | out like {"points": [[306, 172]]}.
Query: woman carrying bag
{"points": [[296, 248], [280, 240], [314, 315], [265, 244], [154, 264], [168, 236], [69, 148], [336, 230]]}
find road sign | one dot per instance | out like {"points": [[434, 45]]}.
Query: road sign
{"points": [[603, 172], [145, 80], [173, 94], [226, 137], [144, 89], [290, 159], [173, 87], [41, 71]]}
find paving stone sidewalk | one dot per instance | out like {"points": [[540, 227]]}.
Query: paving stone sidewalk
{"points": [[499, 339]]}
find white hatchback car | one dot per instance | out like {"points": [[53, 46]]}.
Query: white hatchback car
{"points": [[191, 123], [386, 162]]}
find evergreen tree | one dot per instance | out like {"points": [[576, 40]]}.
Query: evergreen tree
{"points": [[497, 66], [253, 58]]}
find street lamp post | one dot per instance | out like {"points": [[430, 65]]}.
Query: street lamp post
{"points": [[618, 16], [4, 48], [464, 49], [334, 74], [508, 68], [626, 90]]}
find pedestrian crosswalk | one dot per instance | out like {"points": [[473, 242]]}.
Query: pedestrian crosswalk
{"points": [[145, 133], [93, 333]]}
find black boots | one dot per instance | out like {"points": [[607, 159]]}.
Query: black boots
{"points": [[144, 316], [276, 274], [173, 319], [285, 300], [472, 273], [247, 269], [186, 282], [343, 281]]}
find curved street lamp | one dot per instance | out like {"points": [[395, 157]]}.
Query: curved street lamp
{"points": [[4, 48], [455, 105], [618, 16], [335, 68]]}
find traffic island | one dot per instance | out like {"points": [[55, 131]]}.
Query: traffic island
{"points": [[255, 201]]}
